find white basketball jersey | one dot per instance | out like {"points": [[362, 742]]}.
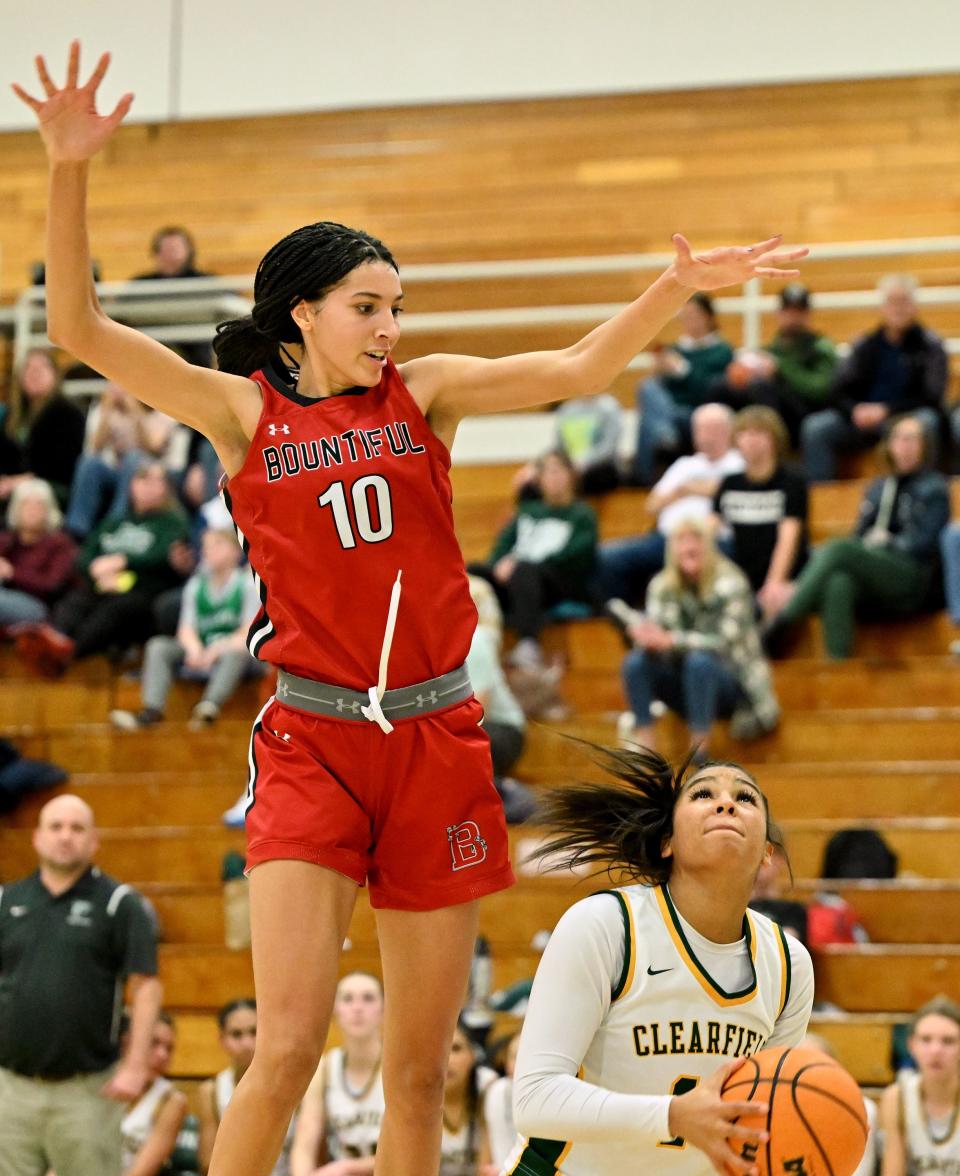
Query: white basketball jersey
{"points": [[223, 1087], [459, 1151], [928, 1151], [138, 1122], [669, 1026], [352, 1120]]}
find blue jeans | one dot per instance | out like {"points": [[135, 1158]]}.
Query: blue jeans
{"points": [[950, 549], [626, 566], [664, 424], [94, 481], [824, 434], [697, 685], [17, 607]]}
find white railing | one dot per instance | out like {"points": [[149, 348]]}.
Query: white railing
{"points": [[186, 310]]}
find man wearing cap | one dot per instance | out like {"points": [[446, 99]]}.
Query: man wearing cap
{"points": [[901, 367], [793, 375], [70, 937]]}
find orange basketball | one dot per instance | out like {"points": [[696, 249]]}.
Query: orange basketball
{"points": [[817, 1121]]}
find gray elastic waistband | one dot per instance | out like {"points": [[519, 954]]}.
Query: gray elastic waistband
{"points": [[320, 698]]}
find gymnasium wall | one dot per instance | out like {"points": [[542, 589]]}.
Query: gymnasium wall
{"points": [[220, 58]]}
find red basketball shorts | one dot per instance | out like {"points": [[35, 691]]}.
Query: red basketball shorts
{"points": [[413, 814]]}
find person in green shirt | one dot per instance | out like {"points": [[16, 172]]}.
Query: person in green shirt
{"points": [[543, 556], [124, 565], [683, 375], [794, 374]]}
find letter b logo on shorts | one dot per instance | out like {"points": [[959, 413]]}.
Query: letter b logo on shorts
{"points": [[467, 847]]}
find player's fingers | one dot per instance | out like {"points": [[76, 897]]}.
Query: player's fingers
{"points": [[97, 76], [25, 97], [44, 75], [73, 65], [770, 272], [682, 246], [736, 1163], [736, 1110], [119, 112], [766, 246], [751, 1134]]}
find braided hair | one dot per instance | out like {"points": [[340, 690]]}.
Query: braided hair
{"points": [[622, 824], [305, 265]]}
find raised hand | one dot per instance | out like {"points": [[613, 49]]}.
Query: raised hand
{"points": [[71, 128], [729, 266]]}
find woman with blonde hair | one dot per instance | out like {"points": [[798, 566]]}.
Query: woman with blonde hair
{"points": [[36, 556], [697, 648]]}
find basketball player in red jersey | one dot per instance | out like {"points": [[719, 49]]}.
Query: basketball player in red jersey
{"points": [[370, 764]]}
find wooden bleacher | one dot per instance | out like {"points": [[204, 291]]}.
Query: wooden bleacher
{"points": [[870, 741]]}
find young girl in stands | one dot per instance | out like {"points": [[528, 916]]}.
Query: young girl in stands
{"points": [[338, 1127], [920, 1112], [338, 467], [464, 1150], [646, 995]]}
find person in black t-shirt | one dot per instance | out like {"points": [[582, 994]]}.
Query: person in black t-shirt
{"points": [[765, 508], [69, 939]]}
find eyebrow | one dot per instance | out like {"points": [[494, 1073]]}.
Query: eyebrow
{"points": [[713, 780], [378, 297]]}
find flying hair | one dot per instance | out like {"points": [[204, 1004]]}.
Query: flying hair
{"points": [[305, 265], [621, 824]]}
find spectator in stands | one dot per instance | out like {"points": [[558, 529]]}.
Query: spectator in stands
{"points": [[685, 491], [697, 649], [464, 1150], [19, 777], [950, 553], [36, 555], [764, 508], [238, 1037], [69, 939], [152, 1124], [587, 429], [116, 444], [770, 887], [887, 567], [174, 255], [543, 556], [683, 373], [503, 718], [45, 428], [338, 1126], [125, 564], [219, 604], [793, 375], [498, 1108], [900, 367], [918, 1112]]}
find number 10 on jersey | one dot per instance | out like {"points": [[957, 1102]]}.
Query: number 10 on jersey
{"points": [[352, 517]]}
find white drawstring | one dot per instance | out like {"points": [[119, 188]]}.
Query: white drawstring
{"points": [[374, 712]]}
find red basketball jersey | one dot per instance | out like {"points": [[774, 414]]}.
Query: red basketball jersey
{"points": [[336, 496]]}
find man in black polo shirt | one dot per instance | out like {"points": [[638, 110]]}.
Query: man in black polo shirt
{"points": [[69, 939]]}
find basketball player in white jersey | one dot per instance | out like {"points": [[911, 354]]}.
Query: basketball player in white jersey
{"points": [[646, 996], [920, 1112], [342, 1110], [238, 1037]]}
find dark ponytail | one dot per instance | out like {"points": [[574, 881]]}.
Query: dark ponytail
{"points": [[620, 825], [305, 265]]}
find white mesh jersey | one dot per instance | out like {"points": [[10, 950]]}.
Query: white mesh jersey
{"points": [[352, 1120], [224, 1085], [928, 1150], [659, 1027], [140, 1117]]}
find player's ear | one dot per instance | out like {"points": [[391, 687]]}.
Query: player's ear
{"points": [[302, 315], [666, 848]]}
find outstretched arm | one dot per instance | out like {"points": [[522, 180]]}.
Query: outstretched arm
{"points": [[217, 404], [449, 387]]}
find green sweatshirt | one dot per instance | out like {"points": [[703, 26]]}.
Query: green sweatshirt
{"points": [[707, 358], [145, 542], [563, 536], [806, 364]]}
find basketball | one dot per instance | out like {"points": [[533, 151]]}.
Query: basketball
{"points": [[816, 1121]]}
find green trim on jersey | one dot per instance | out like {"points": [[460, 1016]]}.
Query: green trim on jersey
{"points": [[539, 1158], [628, 946], [788, 966], [748, 935]]}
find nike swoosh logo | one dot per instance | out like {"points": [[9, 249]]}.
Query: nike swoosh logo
{"points": [[657, 971]]}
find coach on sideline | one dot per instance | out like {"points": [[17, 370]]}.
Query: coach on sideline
{"points": [[69, 938]]}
